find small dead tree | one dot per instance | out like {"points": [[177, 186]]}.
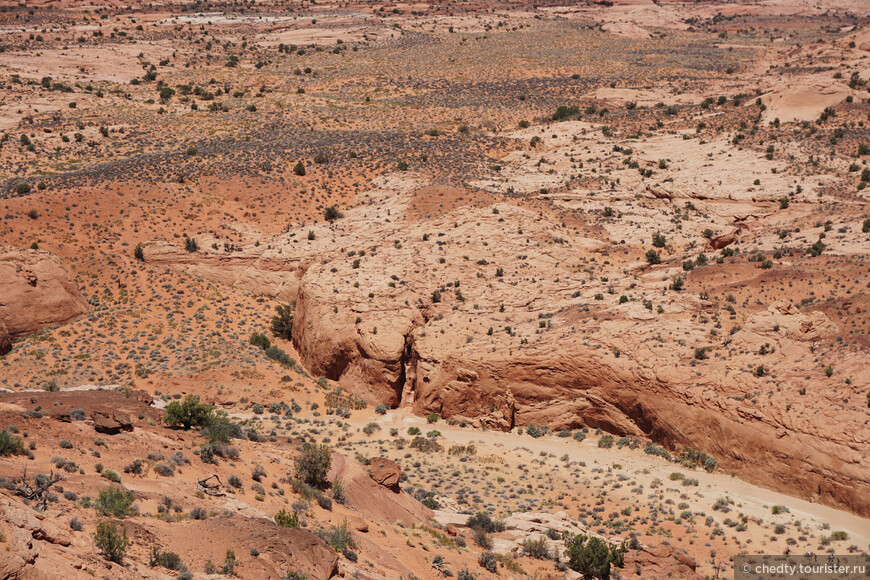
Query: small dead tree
{"points": [[36, 489]]}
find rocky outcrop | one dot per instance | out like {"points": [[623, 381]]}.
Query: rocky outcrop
{"points": [[785, 319], [111, 423], [719, 242], [374, 500], [35, 291], [661, 561], [490, 315], [35, 545], [386, 472], [256, 269]]}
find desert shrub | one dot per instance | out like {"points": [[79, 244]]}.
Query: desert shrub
{"points": [[371, 428], [198, 513], [75, 524], [340, 537], [482, 520], [653, 257], [188, 413], [77, 414], [287, 520], [220, 429], [260, 340], [432, 418], [178, 458], [111, 542], [413, 430], [482, 538], [592, 557], [332, 213], [565, 112], [115, 501], [534, 431], [282, 322], [169, 560], [111, 475], [10, 444], [299, 169], [381, 409], [338, 492], [135, 467], [312, 464], [605, 442], [324, 502], [279, 356], [164, 469], [537, 548], [488, 561]]}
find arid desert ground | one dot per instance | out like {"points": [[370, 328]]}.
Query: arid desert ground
{"points": [[519, 290]]}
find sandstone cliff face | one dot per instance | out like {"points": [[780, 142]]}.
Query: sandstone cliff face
{"points": [[256, 270], [5, 339], [494, 315], [35, 291]]}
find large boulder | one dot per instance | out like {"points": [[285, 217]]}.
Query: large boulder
{"points": [[386, 472], [111, 423], [35, 291]]}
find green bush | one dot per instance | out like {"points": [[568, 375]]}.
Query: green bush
{"points": [[282, 322], [605, 442], [488, 561], [279, 356], [169, 560], [564, 112], [111, 542], [312, 464], [287, 520], [189, 413], [339, 537], [220, 429], [10, 444], [483, 521], [653, 257], [260, 340], [534, 431], [592, 557], [332, 213], [381, 409], [115, 501], [111, 475], [537, 548]]}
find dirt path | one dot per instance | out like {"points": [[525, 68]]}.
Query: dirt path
{"points": [[752, 500]]}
